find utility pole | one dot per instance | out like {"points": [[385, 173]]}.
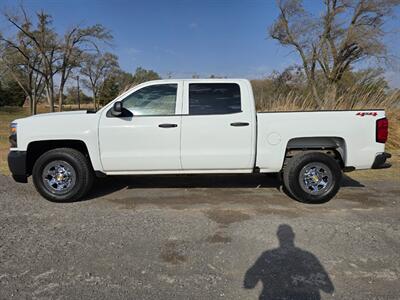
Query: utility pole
{"points": [[79, 98]]}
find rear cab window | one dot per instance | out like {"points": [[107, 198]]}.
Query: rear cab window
{"points": [[214, 98]]}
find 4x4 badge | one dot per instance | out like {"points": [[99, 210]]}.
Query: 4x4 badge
{"points": [[362, 114]]}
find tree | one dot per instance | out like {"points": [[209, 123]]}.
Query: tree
{"points": [[96, 68], [52, 54], [72, 96], [77, 41], [123, 80], [370, 78], [143, 75], [2, 95], [110, 90], [43, 42], [20, 60], [15, 95], [11, 94], [348, 32], [119, 81]]}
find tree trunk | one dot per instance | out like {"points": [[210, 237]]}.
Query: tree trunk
{"points": [[61, 97], [34, 111], [316, 96], [313, 85], [330, 94], [51, 93], [95, 101], [50, 97], [32, 100]]}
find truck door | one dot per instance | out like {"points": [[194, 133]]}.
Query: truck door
{"points": [[218, 127], [150, 139]]}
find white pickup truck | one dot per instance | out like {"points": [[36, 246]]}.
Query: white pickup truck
{"points": [[190, 127]]}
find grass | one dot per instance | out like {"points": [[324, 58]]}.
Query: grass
{"points": [[352, 99], [7, 114], [392, 174]]}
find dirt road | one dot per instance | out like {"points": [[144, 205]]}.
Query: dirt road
{"points": [[200, 237]]}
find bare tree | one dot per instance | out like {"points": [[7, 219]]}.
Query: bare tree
{"points": [[96, 68], [76, 42], [20, 71], [20, 60], [55, 55], [44, 41], [347, 32]]}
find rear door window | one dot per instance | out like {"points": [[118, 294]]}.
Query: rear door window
{"points": [[214, 98]]}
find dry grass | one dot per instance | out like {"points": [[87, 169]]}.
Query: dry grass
{"points": [[392, 174], [352, 99], [394, 129]]}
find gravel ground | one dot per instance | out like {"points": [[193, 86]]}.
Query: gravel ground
{"points": [[200, 237]]}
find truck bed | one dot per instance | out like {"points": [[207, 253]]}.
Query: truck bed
{"points": [[350, 131]]}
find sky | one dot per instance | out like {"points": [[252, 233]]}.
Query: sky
{"points": [[180, 38]]}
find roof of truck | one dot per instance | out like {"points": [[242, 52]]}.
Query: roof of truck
{"points": [[201, 79]]}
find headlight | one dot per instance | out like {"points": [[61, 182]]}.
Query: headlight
{"points": [[13, 135]]}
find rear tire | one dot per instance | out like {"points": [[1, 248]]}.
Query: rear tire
{"points": [[312, 177], [62, 175]]}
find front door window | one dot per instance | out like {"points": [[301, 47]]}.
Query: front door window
{"points": [[153, 100]]}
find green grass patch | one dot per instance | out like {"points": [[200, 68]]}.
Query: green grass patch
{"points": [[7, 115]]}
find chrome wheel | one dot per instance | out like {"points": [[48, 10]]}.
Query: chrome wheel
{"points": [[316, 178], [59, 177]]}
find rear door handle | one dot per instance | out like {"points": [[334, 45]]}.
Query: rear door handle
{"points": [[239, 124], [168, 125]]}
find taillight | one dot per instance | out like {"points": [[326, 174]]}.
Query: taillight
{"points": [[382, 126]]}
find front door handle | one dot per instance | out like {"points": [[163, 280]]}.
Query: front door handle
{"points": [[168, 125], [239, 124]]}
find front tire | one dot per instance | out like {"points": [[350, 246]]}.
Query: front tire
{"points": [[312, 177], [62, 175]]}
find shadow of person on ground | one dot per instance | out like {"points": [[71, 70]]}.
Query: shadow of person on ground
{"points": [[288, 272]]}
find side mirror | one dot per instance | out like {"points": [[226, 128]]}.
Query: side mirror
{"points": [[117, 109]]}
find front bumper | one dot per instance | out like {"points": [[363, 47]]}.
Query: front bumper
{"points": [[17, 165], [380, 161]]}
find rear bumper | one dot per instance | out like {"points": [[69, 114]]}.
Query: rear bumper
{"points": [[380, 161], [17, 165]]}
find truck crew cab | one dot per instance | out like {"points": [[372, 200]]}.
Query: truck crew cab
{"points": [[195, 126]]}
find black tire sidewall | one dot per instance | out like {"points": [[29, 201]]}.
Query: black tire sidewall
{"points": [[294, 174], [54, 155]]}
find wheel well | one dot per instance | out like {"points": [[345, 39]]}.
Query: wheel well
{"points": [[333, 146], [36, 149]]}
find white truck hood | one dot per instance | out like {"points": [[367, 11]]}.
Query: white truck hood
{"points": [[56, 114], [71, 125]]}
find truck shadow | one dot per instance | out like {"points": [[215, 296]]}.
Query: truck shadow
{"points": [[109, 185]]}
